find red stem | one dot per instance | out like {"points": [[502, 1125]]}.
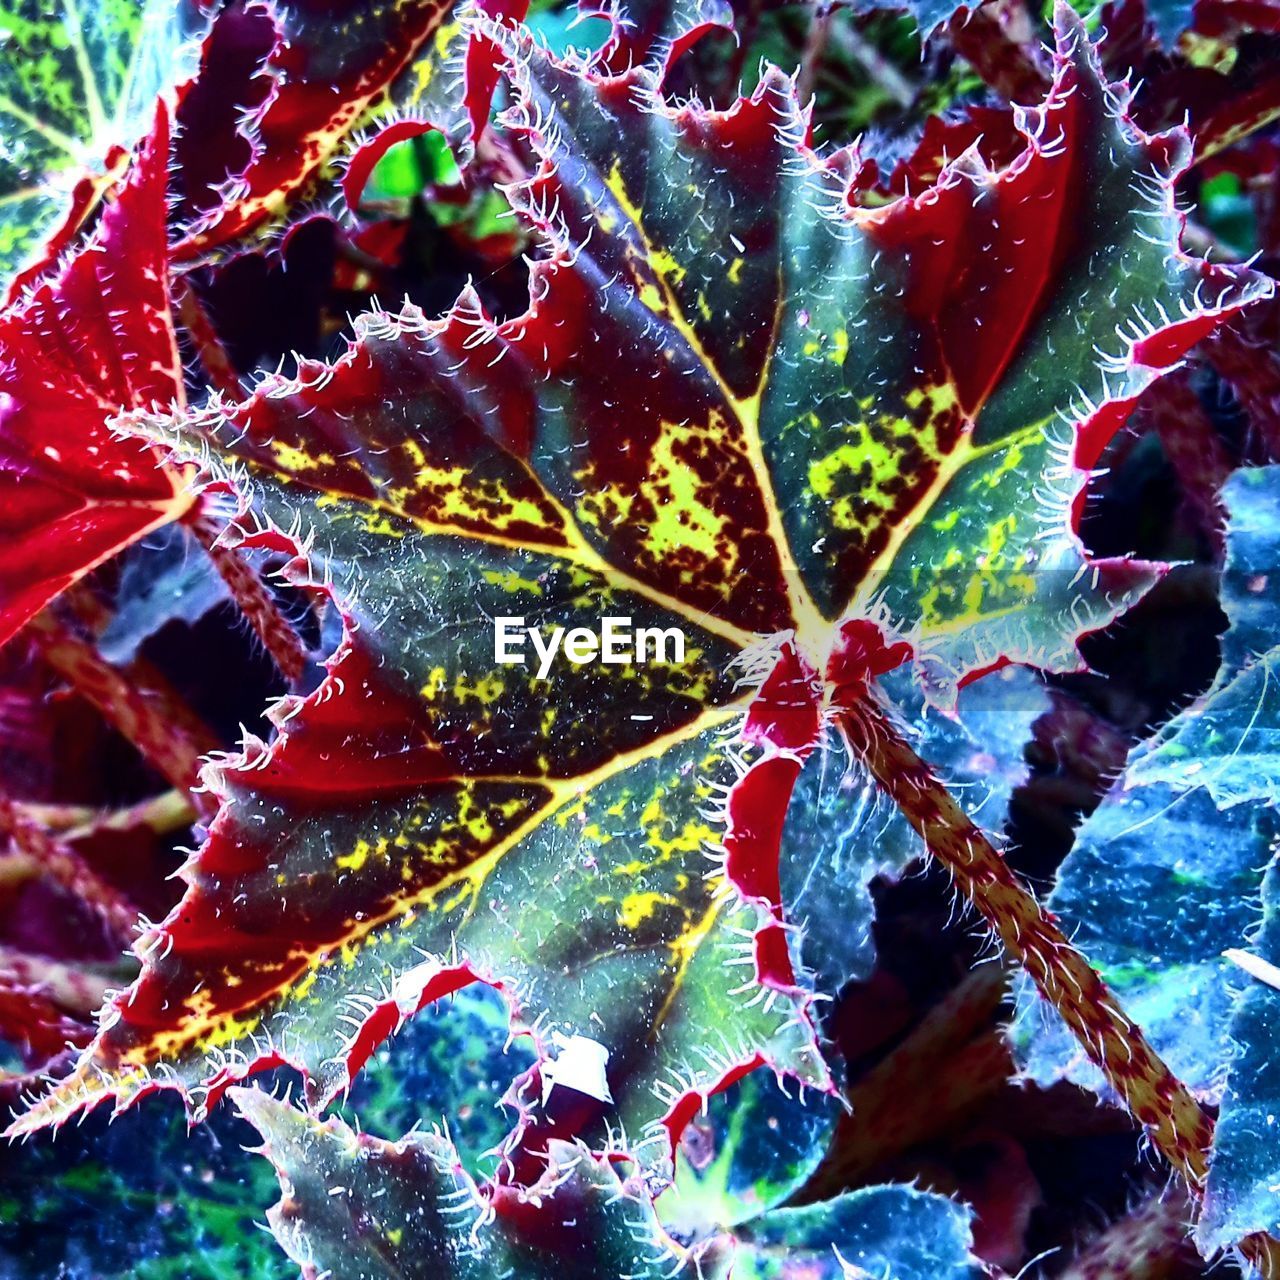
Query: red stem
{"points": [[152, 716], [62, 863], [255, 600], [213, 356]]}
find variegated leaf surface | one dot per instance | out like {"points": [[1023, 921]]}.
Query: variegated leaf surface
{"points": [[363, 1208], [78, 85], [331, 62], [815, 439]]}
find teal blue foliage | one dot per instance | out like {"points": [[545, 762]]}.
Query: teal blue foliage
{"points": [[839, 835], [742, 1164], [1159, 884], [168, 578], [755, 1146], [1168, 875], [877, 1231], [1242, 1195], [138, 1198]]}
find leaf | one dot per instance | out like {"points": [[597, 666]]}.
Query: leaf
{"points": [[141, 1199], [1241, 1196], [93, 341], [78, 84], [331, 63], [877, 1231], [361, 1208], [1169, 18], [839, 835], [1158, 885], [656, 32], [928, 14], [754, 1147], [170, 579], [365, 1208], [729, 412], [756, 1150], [452, 1064], [1164, 877]]}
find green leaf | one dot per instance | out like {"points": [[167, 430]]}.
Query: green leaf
{"points": [[813, 438], [78, 82], [1162, 888], [358, 1207]]}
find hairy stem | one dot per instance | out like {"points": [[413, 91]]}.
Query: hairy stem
{"points": [[247, 590], [213, 356], [1151, 1243], [1175, 1122], [814, 49], [167, 812], [60, 862], [151, 716], [78, 990]]}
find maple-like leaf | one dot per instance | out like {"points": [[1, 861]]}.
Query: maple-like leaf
{"points": [[361, 1207], [739, 406], [78, 84], [92, 341]]}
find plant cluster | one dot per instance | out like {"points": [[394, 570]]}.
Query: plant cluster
{"points": [[909, 381]]}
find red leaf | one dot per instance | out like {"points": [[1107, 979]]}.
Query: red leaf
{"points": [[332, 60], [83, 346]]}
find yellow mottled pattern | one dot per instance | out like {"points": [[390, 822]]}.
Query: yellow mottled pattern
{"points": [[679, 523], [854, 479], [638, 907]]}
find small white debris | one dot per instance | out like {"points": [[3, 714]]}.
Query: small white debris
{"points": [[579, 1065], [410, 985], [1255, 966]]}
